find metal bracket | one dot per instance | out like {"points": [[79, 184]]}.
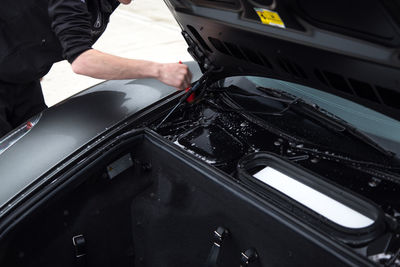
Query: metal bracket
{"points": [[79, 243], [248, 257], [219, 235]]}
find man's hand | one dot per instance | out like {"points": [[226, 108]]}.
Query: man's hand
{"points": [[101, 65], [175, 74]]}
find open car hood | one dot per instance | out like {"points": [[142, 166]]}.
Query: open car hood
{"points": [[347, 48]]}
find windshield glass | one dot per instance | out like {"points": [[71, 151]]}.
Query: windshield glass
{"points": [[381, 128]]}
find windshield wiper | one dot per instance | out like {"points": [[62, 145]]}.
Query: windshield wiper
{"points": [[295, 142], [337, 124], [326, 118], [299, 105]]}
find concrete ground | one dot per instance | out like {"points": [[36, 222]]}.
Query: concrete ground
{"points": [[145, 29]]}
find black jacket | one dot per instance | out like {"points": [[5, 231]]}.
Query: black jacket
{"points": [[36, 33]]}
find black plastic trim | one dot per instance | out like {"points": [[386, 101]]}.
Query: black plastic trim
{"points": [[356, 237]]}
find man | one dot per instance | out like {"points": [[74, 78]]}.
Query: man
{"points": [[34, 34]]}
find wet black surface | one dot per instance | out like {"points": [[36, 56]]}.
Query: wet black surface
{"points": [[213, 142], [221, 134]]}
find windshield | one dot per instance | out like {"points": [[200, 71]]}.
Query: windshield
{"points": [[382, 129]]}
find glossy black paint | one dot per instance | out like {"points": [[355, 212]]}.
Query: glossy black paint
{"points": [[222, 134], [361, 66], [68, 126]]}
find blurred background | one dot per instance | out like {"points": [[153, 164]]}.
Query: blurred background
{"points": [[145, 29]]}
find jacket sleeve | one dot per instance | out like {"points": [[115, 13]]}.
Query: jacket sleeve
{"points": [[70, 21]]}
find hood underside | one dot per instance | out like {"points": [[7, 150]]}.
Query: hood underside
{"points": [[347, 48]]}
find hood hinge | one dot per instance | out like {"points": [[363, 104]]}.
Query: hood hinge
{"points": [[197, 52]]}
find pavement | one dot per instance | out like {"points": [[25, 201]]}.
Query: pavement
{"points": [[145, 29]]}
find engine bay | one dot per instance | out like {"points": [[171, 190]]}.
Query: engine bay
{"points": [[224, 125], [221, 135]]}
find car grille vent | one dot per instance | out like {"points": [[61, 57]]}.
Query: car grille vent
{"points": [[377, 94], [235, 51], [230, 4], [253, 57], [292, 68], [364, 90], [199, 38], [222, 2], [240, 52], [338, 82], [266, 61], [320, 77], [389, 97], [219, 46]]}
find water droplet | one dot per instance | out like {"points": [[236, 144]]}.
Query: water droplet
{"points": [[291, 152], [374, 182], [314, 160], [277, 143], [299, 145]]}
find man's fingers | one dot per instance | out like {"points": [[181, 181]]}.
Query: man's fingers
{"points": [[188, 78], [184, 77], [177, 75], [182, 82]]}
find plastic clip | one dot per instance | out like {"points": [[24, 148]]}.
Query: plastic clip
{"points": [[248, 257], [219, 235]]}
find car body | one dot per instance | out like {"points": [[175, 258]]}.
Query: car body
{"points": [[288, 154]]}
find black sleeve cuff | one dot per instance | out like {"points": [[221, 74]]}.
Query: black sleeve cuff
{"points": [[74, 54], [70, 21]]}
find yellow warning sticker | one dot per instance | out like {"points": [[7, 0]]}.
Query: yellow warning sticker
{"points": [[270, 17]]}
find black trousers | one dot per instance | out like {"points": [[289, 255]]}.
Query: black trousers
{"points": [[18, 103]]}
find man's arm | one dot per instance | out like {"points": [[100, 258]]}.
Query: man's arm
{"points": [[100, 65], [70, 23]]}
